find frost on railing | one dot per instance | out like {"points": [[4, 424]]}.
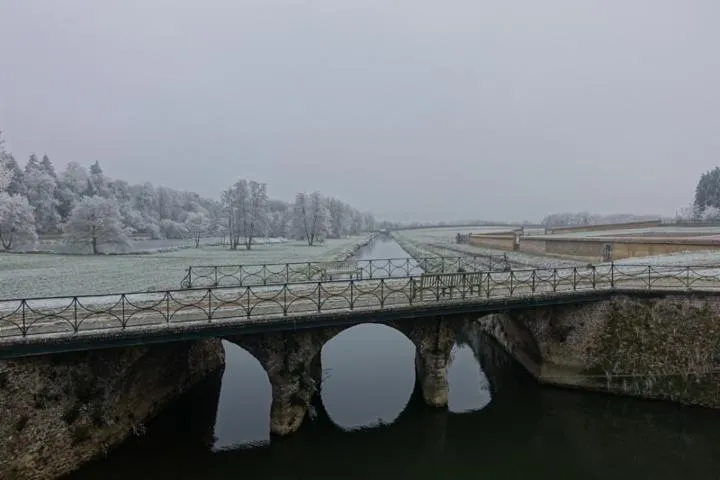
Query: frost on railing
{"points": [[59, 317]]}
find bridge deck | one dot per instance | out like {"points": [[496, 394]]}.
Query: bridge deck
{"points": [[31, 326]]}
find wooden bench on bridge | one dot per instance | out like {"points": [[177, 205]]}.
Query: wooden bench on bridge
{"points": [[332, 270], [443, 283]]}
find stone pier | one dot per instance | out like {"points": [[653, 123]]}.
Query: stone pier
{"points": [[294, 368]]}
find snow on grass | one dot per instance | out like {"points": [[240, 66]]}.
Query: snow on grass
{"points": [[452, 249], [46, 275]]}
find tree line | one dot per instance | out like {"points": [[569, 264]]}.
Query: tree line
{"points": [[92, 210]]}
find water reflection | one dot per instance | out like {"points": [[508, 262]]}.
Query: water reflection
{"points": [[469, 388], [245, 399], [369, 375]]}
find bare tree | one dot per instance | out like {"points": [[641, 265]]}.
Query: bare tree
{"points": [[310, 219], [197, 225]]}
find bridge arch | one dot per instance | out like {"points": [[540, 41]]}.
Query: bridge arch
{"points": [[246, 387], [368, 375]]}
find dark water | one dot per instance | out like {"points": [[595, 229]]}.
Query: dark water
{"points": [[370, 423]]}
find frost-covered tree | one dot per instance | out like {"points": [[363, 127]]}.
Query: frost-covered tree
{"points": [[310, 217], [95, 221], [257, 220], [17, 224], [707, 192], [336, 211], [172, 229], [41, 197], [197, 225], [97, 184], [236, 200], [6, 176]]}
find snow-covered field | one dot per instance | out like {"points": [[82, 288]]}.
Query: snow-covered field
{"points": [[45, 275]]}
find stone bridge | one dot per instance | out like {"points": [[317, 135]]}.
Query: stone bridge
{"points": [[83, 390]]}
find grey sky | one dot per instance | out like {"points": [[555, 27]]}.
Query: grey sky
{"points": [[412, 109]]}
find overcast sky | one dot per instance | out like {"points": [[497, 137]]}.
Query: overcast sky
{"points": [[411, 109]]}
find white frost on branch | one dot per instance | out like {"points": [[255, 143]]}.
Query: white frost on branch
{"points": [[95, 221], [17, 223]]}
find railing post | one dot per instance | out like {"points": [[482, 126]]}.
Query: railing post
{"points": [[122, 311], [75, 324], [287, 273], [210, 306], [554, 283], [285, 304], [593, 277], [512, 274], [352, 297], [247, 292], [370, 268], [24, 325], [533, 280], [382, 293], [574, 279], [487, 290], [464, 285], [167, 306], [687, 277], [319, 296], [649, 277], [612, 274], [407, 267], [190, 276]]}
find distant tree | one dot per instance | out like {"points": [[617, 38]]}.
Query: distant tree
{"points": [[310, 220], [707, 192], [47, 167], [97, 184], [6, 176], [256, 221], [336, 213], [17, 224], [41, 197], [197, 225], [172, 229], [32, 163], [95, 221]]}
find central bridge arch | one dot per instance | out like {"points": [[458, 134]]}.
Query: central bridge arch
{"points": [[292, 362]]}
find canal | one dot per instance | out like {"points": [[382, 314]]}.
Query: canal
{"points": [[370, 423]]}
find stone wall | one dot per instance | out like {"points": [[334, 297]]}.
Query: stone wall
{"points": [[505, 241], [59, 411], [664, 348], [605, 226]]}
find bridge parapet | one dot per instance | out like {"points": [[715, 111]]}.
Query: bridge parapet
{"points": [[42, 324]]}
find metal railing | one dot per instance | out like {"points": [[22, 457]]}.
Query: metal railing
{"points": [[61, 317], [207, 276]]}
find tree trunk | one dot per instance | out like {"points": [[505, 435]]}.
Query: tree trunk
{"points": [[94, 245]]}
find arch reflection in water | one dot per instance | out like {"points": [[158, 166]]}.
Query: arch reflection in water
{"points": [[469, 387], [245, 400], [369, 375]]}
